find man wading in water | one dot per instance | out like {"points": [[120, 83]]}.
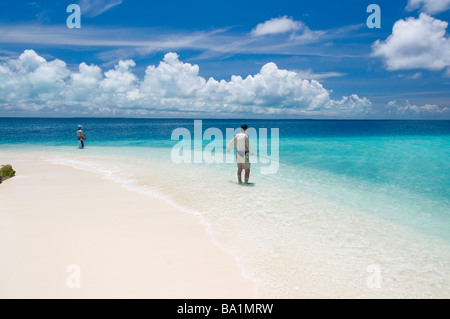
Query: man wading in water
{"points": [[81, 137], [243, 152]]}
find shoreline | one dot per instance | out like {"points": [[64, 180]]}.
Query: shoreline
{"points": [[126, 244], [331, 258]]}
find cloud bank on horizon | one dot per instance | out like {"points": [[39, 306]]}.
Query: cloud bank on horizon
{"points": [[30, 83]]}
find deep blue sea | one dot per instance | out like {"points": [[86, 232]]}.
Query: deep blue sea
{"points": [[348, 185]]}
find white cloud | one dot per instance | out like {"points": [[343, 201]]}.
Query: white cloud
{"points": [[300, 33], [277, 26], [32, 77], [415, 76], [84, 82], [428, 6], [311, 75], [308, 36], [120, 80], [93, 8], [419, 43], [31, 83], [172, 78], [407, 109]]}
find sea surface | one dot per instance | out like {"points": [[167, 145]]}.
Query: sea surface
{"points": [[348, 208]]}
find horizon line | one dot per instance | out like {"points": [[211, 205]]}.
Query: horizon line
{"points": [[213, 118]]}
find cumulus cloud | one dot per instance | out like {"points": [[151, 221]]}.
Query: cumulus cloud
{"points": [[299, 32], [172, 78], [84, 82], [428, 6], [419, 43], [277, 26], [31, 76], [32, 83], [121, 79]]}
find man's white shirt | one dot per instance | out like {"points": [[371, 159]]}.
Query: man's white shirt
{"points": [[240, 146]]}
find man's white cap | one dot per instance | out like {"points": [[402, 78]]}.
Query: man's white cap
{"points": [[79, 126]]}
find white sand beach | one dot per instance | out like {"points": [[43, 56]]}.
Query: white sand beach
{"points": [[135, 227], [126, 244]]}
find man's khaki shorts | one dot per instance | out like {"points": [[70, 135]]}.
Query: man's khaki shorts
{"points": [[245, 165]]}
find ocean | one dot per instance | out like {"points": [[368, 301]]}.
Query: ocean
{"points": [[352, 208]]}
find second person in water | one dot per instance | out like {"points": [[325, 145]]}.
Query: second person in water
{"points": [[81, 137]]}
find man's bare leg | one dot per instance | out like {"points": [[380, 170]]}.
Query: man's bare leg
{"points": [[247, 175], [239, 175]]}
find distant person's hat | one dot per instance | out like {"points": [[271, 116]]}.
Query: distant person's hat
{"points": [[80, 127]]}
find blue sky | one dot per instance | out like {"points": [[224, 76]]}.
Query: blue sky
{"points": [[305, 59]]}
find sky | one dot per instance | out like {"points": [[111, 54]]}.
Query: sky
{"points": [[226, 59]]}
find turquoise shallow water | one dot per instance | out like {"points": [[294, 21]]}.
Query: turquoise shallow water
{"points": [[399, 170], [401, 178], [360, 192]]}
